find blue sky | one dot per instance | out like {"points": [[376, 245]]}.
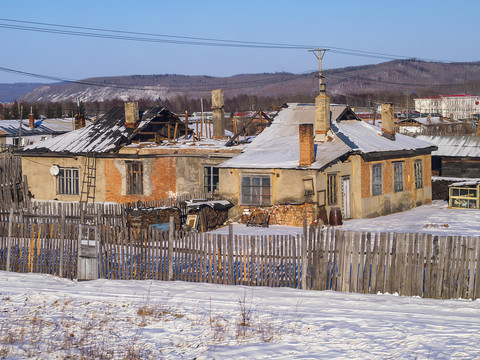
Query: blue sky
{"points": [[436, 30]]}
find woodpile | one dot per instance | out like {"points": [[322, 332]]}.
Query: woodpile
{"points": [[144, 217], [209, 218]]}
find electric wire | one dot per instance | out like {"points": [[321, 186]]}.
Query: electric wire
{"points": [[184, 40]]}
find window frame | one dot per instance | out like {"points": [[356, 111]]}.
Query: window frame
{"points": [[262, 192], [211, 177], [377, 179], [134, 177], [68, 181], [398, 178], [418, 173], [332, 198]]}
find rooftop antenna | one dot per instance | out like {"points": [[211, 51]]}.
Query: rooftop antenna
{"points": [[319, 54]]}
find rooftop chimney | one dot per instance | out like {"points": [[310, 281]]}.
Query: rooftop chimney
{"points": [[387, 121], [307, 146], [322, 116], [218, 114], [31, 119], [79, 121], [132, 116]]}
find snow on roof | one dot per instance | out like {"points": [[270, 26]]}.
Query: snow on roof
{"points": [[278, 145], [105, 135], [434, 120], [455, 146], [47, 126], [466, 183], [366, 138]]}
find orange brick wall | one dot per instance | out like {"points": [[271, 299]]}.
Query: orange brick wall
{"points": [[387, 168], [387, 175], [365, 173], [163, 180], [408, 175], [307, 147], [291, 215]]}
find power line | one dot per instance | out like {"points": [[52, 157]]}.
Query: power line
{"points": [[206, 87], [183, 40]]}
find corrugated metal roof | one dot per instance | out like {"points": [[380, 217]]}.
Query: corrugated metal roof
{"points": [[278, 145], [105, 135], [45, 127], [455, 146]]}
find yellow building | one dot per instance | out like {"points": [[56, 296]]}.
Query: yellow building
{"points": [[313, 158]]}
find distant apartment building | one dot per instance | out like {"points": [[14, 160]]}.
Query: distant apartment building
{"points": [[462, 106]]}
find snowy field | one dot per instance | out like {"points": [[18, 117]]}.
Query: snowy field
{"points": [[435, 218], [44, 317]]}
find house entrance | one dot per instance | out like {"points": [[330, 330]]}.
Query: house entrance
{"points": [[346, 203]]}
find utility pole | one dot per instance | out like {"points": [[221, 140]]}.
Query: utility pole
{"points": [[319, 54], [20, 127]]}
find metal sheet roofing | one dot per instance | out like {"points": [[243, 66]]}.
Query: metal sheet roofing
{"points": [[45, 127], [454, 146], [105, 135]]}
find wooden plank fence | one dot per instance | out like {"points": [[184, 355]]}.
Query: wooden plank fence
{"points": [[423, 265]]}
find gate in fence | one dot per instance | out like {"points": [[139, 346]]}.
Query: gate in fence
{"points": [[88, 266]]}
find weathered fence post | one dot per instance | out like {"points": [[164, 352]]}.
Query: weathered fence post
{"points": [[99, 242], [9, 243], [62, 239], [170, 249], [231, 280], [304, 255]]}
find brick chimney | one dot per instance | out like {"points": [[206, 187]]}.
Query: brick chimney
{"points": [[31, 120], [218, 114], [307, 146], [387, 121], [132, 116], [322, 117], [79, 121]]}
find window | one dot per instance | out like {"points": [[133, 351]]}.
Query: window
{"points": [[308, 189], [256, 190], [332, 189], [134, 178], [418, 174], [398, 176], [67, 181], [210, 179], [377, 182]]}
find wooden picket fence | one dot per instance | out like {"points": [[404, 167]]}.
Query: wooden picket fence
{"points": [[424, 265], [47, 248], [328, 259]]}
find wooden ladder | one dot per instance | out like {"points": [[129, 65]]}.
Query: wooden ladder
{"points": [[89, 179]]}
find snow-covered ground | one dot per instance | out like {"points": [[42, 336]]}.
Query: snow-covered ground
{"points": [[435, 218], [44, 317]]}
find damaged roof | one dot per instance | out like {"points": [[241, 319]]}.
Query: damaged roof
{"points": [[278, 145], [107, 134]]}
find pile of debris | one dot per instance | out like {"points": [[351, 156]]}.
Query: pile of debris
{"points": [[143, 217], [204, 215]]}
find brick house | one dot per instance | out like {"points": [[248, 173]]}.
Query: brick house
{"points": [[313, 158], [132, 154]]}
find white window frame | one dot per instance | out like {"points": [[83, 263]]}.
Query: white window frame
{"points": [[67, 181], [256, 189]]}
